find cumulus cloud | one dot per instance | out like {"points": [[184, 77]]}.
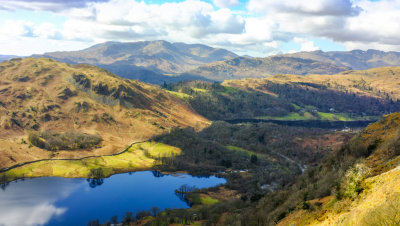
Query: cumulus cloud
{"points": [[17, 28], [22, 28], [50, 5], [130, 20], [305, 45], [225, 3], [356, 24], [263, 26], [310, 7]]}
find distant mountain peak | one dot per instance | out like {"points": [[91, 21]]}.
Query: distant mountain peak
{"points": [[144, 58]]}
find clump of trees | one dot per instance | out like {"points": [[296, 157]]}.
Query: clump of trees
{"points": [[218, 102], [70, 140]]}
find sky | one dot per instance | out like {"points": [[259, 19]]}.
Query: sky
{"points": [[246, 27]]}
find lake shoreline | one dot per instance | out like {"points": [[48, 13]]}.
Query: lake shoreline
{"points": [[139, 156]]}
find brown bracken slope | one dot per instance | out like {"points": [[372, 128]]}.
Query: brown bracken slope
{"points": [[46, 95]]}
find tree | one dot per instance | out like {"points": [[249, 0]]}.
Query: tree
{"points": [[253, 159], [94, 223], [128, 218], [114, 220], [155, 211]]}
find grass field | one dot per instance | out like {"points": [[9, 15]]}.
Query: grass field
{"points": [[239, 149], [207, 200], [321, 116], [180, 95], [140, 156]]}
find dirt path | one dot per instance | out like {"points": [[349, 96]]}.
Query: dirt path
{"points": [[92, 156]]}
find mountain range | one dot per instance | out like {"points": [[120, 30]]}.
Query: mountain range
{"points": [[355, 59], [148, 61], [301, 63], [159, 61], [6, 57]]}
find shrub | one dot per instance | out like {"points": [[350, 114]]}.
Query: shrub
{"points": [[352, 184], [71, 140]]}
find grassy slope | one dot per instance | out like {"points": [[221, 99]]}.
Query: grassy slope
{"points": [[43, 94], [369, 87], [139, 156], [375, 82], [351, 95], [320, 116], [378, 202]]}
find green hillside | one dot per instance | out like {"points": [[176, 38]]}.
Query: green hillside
{"points": [[348, 96]]}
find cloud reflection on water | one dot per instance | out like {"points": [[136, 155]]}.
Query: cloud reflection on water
{"points": [[33, 201]]}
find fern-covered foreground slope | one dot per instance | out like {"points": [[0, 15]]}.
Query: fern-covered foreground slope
{"points": [[368, 193], [46, 95], [356, 185]]}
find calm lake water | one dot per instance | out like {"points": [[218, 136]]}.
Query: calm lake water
{"points": [[63, 201]]}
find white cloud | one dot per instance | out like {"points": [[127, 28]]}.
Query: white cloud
{"points": [[50, 5], [16, 28], [131, 20], [22, 28], [360, 24], [225, 3], [25, 46], [311, 7], [305, 45], [266, 23], [47, 30]]}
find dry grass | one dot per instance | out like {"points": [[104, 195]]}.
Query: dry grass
{"points": [[378, 203], [34, 104]]}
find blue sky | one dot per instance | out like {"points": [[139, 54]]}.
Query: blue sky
{"points": [[252, 27]]}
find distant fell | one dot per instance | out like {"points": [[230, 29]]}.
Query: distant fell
{"points": [[355, 59], [245, 67], [301, 63], [6, 57], [147, 60]]}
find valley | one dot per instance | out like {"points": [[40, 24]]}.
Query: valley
{"points": [[199, 113], [290, 149]]}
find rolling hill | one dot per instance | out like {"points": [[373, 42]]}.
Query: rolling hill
{"points": [[355, 59], [244, 67], [350, 95], [381, 82], [44, 95], [149, 61], [301, 63]]}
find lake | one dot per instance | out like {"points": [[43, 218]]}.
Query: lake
{"points": [[66, 201]]}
